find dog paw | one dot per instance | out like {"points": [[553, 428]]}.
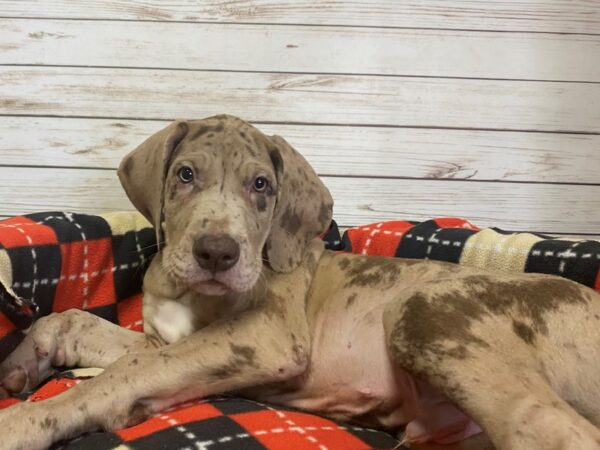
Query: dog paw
{"points": [[24, 368], [53, 341]]}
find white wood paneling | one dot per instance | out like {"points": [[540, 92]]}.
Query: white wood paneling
{"points": [[334, 99], [411, 110], [358, 200], [300, 49], [356, 151], [560, 16]]}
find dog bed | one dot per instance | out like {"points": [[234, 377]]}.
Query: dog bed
{"points": [[51, 262]]}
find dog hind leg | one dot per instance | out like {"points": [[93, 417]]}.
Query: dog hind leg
{"points": [[483, 368]]}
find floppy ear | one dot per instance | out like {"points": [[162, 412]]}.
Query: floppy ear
{"points": [[142, 172], [303, 210]]}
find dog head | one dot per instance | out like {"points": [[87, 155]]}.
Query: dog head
{"points": [[223, 196]]}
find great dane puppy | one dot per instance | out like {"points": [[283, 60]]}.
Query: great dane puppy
{"points": [[242, 298]]}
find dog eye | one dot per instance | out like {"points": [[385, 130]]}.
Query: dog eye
{"points": [[260, 184], [186, 174]]}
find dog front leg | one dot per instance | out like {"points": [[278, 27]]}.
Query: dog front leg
{"points": [[256, 347]]}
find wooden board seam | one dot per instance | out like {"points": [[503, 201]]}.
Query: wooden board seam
{"points": [[305, 24], [324, 124], [284, 72]]}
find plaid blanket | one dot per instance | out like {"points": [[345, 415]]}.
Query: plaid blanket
{"points": [[50, 262]]}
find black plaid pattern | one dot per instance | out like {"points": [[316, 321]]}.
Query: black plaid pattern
{"points": [[132, 252], [73, 227], [447, 244], [415, 243], [332, 238], [92, 441], [206, 430], [47, 265], [236, 405], [577, 261]]}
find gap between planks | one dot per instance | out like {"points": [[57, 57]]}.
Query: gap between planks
{"points": [[559, 16]]}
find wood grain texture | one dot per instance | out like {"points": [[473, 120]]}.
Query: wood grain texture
{"points": [[548, 208], [576, 16], [333, 99], [332, 150], [543, 208], [301, 49]]}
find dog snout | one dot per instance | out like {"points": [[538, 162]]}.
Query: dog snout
{"points": [[216, 253]]}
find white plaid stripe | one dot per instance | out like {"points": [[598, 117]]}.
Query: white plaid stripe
{"points": [[292, 425], [84, 275], [72, 277], [204, 445], [371, 235]]}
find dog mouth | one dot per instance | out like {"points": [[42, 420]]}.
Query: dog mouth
{"points": [[211, 287]]}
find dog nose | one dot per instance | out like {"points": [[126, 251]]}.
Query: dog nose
{"points": [[216, 253]]}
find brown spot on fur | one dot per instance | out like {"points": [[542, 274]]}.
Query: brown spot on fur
{"points": [[251, 150], [523, 331], [344, 263], [203, 129], [290, 221], [370, 271], [531, 298], [450, 309], [165, 356], [351, 300], [242, 355], [244, 137], [243, 352], [261, 203], [49, 423], [225, 370]]}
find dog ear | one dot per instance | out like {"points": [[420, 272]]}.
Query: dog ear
{"points": [[303, 210], [142, 172]]}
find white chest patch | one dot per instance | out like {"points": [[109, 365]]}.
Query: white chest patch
{"points": [[173, 321]]}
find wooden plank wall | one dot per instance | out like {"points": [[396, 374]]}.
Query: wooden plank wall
{"points": [[407, 109]]}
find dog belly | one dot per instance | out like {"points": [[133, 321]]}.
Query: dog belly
{"points": [[350, 376]]}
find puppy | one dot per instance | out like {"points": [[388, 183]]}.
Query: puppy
{"points": [[242, 298]]}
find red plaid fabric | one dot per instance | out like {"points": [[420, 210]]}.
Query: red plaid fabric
{"points": [[55, 261]]}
